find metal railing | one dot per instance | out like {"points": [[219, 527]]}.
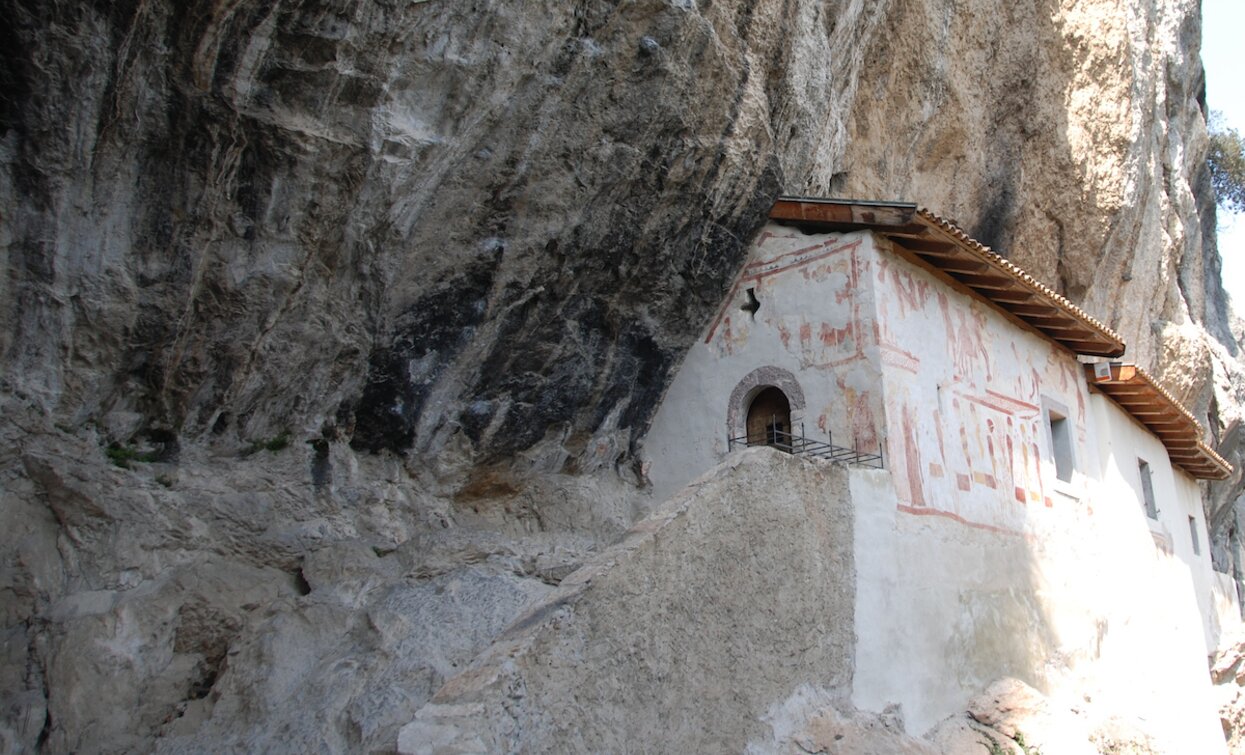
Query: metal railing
{"points": [[802, 445]]}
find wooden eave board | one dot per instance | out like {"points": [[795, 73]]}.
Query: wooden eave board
{"points": [[839, 213], [1158, 411]]}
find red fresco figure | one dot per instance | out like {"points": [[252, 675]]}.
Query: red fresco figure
{"points": [[1031, 464], [993, 449], [910, 293], [942, 446], [864, 433], [1042, 487], [1069, 379], [981, 339], [831, 337], [1037, 462], [860, 417], [853, 274], [966, 340], [968, 454], [912, 458], [1014, 480]]}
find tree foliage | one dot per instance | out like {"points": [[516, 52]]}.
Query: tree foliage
{"points": [[1226, 159]]}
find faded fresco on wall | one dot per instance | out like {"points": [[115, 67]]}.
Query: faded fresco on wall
{"points": [[889, 359], [964, 392], [968, 533], [812, 303]]}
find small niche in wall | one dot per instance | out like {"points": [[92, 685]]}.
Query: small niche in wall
{"points": [[1197, 547], [751, 303]]}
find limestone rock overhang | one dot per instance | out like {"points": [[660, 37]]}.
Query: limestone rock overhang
{"points": [[1152, 405], [948, 251]]}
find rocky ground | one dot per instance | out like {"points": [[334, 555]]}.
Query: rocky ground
{"points": [[1228, 674], [210, 595], [1008, 718]]}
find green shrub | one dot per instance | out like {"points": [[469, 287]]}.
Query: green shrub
{"points": [[122, 455], [1226, 160], [272, 445]]}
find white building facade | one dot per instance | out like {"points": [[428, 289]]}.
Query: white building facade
{"points": [[1037, 512]]}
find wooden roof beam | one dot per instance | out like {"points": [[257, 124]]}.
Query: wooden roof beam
{"points": [[1101, 348], [1041, 320], [1014, 296], [1140, 402], [1157, 411], [927, 246], [1164, 422], [986, 281], [964, 266], [1032, 310], [1065, 327]]}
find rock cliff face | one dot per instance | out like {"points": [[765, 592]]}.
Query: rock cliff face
{"points": [[373, 300]]}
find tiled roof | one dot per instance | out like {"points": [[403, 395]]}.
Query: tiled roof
{"points": [[1115, 344], [943, 247], [1152, 405]]}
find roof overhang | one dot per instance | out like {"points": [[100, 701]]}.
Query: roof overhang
{"points": [[949, 251], [1153, 406]]}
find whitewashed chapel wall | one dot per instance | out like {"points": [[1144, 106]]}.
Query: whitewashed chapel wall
{"points": [[1177, 499], [816, 323], [973, 560], [965, 392]]}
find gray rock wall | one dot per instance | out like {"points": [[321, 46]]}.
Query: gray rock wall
{"points": [[406, 225]]}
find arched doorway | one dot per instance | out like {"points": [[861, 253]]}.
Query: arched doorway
{"points": [[769, 419]]}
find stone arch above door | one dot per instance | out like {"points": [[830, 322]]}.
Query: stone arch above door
{"points": [[752, 384]]}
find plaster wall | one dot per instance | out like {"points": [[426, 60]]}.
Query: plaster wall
{"points": [[1081, 602], [974, 562], [1123, 442], [814, 335], [965, 391]]}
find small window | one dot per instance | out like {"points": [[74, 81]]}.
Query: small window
{"points": [[1147, 489], [1061, 444], [1197, 548]]}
